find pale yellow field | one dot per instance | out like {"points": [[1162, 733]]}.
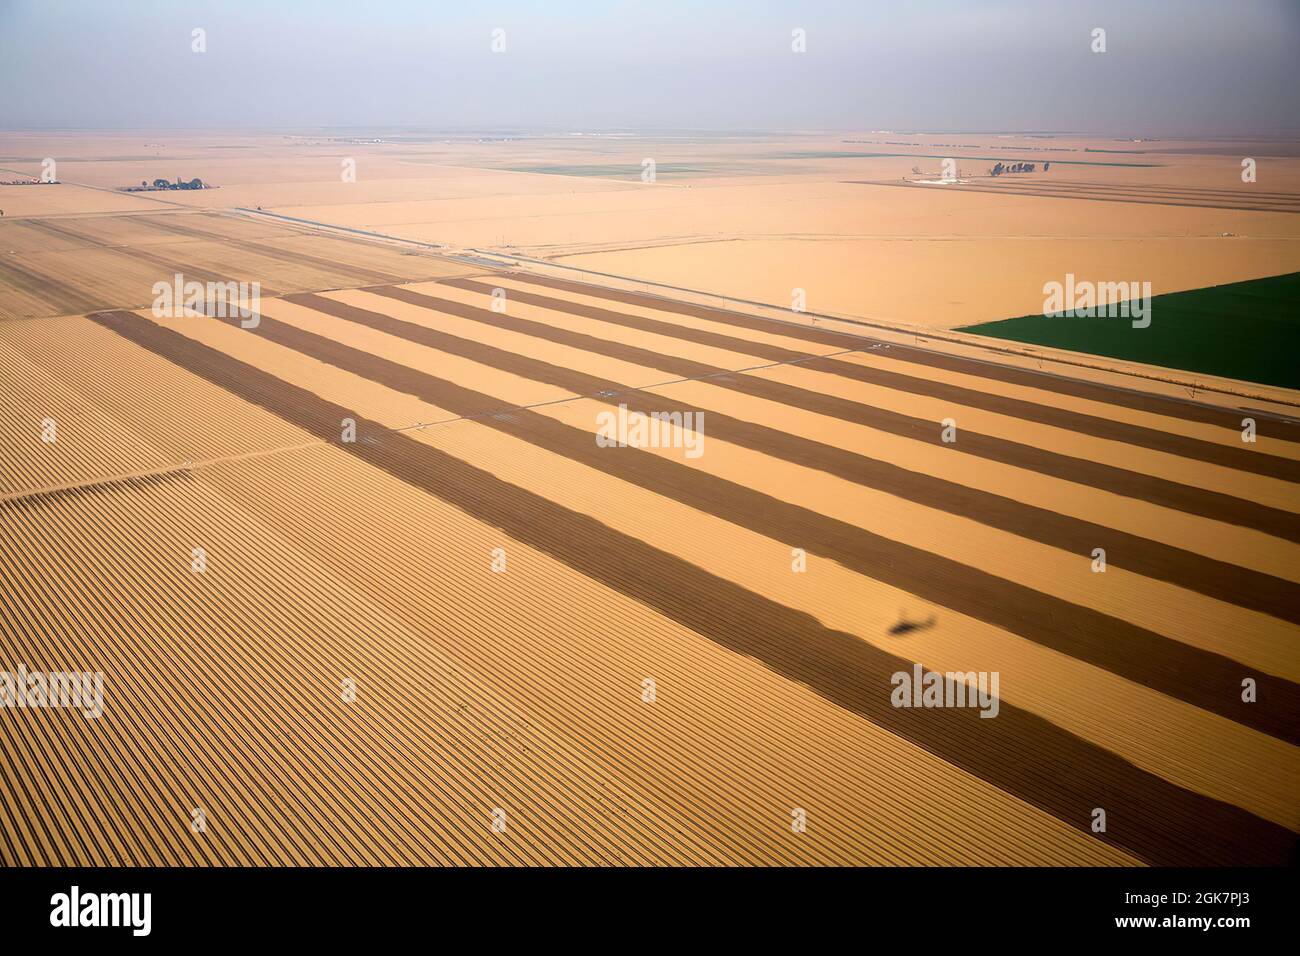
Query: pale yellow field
{"points": [[750, 218], [632, 655]]}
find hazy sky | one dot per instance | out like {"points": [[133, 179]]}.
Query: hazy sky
{"points": [[1170, 66]]}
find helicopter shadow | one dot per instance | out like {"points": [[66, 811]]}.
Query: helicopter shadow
{"points": [[904, 626]]}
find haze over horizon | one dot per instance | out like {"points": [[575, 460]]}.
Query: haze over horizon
{"points": [[1200, 67]]}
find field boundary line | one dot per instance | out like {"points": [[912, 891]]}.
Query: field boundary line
{"points": [[189, 465], [480, 257], [1059, 356]]}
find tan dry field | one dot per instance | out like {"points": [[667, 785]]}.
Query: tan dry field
{"points": [[524, 691], [750, 217], [57, 265]]}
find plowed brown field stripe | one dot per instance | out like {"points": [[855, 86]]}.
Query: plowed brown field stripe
{"points": [[361, 273], [1018, 751], [1140, 195], [1241, 459], [63, 299], [1216, 579], [1063, 194], [1093, 391], [1130, 484], [171, 265], [1207, 680], [1176, 190], [43, 227], [1149, 191]]}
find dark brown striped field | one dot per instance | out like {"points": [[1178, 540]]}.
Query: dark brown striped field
{"points": [[60, 265], [1047, 186], [485, 695]]}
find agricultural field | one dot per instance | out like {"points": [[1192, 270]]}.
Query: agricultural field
{"points": [[636, 655], [862, 223], [369, 582], [1243, 330], [58, 265]]}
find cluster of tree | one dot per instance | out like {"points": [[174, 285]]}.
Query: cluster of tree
{"points": [[1000, 168], [179, 184]]}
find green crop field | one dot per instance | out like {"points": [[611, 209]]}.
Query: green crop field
{"points": [[1243, 330]]}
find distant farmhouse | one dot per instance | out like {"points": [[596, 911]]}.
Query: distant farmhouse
{"points": [[162, 184]]}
